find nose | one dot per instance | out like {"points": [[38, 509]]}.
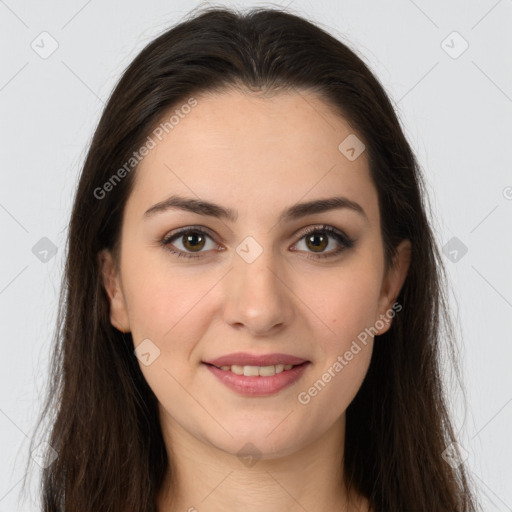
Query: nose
{"points": [[258, 296]]}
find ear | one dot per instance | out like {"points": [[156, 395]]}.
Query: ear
{"points": [[393, 283], [112, 283]]}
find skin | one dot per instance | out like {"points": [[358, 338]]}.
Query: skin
{"points": [[257, 155]]}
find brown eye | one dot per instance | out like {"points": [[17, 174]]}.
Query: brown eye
{"points": [[318, 242], [192, 240], [317, 239]]}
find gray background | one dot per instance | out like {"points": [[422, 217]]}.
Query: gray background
{"points": [[455, 108]]}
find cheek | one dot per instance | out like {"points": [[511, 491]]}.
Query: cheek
{"points": [[167, 307], [170, 306], [158, 293], [347, 303]]}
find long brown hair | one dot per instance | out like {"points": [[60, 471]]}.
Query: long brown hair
{"points": [[102, 416]]}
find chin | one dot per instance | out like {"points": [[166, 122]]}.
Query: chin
{"points": [[255, 444]]}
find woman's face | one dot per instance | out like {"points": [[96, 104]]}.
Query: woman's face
{"points": [[255, 283]]}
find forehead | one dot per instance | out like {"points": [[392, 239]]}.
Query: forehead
{"points": [[244, 150]]}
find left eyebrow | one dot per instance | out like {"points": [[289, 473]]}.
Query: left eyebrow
{"points": [[294, 212]]}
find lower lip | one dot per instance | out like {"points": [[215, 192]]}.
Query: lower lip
{"points": [[258, 386]]}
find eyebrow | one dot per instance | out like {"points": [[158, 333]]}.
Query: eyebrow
{"points": [[296, 211]]}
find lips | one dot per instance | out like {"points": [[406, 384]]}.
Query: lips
{"points": [[247, 359], [265, 383]]}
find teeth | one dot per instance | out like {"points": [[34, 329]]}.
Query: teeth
{"points": [[255, 371], [265, 371]]}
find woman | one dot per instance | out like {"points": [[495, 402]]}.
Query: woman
{"points": [[253, 300]]}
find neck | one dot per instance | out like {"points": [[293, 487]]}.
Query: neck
{"points": [[209, 479]]}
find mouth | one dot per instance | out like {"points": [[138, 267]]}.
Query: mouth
{"points": [[258, 381], [257, 371]]}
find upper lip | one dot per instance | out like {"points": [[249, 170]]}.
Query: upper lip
{"points": [[247, 359]]}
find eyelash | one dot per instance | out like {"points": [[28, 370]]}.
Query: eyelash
{"points": [[340, 237]]}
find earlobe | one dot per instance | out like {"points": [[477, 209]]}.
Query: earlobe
{"points": [[112, 284], [393, 283]]}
